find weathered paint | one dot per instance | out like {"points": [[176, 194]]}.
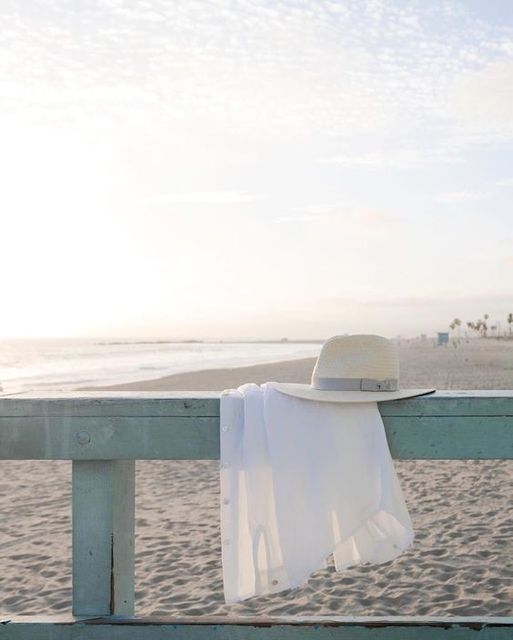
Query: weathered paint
{"points": [[450, 437], [103, 506], [319, 628], [453, 403], [204, 403], [103, 404], [461, 427], [110, 438]]}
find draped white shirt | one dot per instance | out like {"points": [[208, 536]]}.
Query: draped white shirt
{"points": [[301, 480]]}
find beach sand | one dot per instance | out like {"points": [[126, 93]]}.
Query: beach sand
{"points": [[461, 562]]}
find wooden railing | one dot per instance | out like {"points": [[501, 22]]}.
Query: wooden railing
{"points": [[103, 434]]}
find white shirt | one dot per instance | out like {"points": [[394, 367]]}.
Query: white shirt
{"points": [[301, 480]]}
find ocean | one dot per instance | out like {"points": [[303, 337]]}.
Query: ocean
{"points": [[66, 364]]}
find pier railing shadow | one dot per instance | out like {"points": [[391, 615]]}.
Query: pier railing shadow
{"points": [[105, 433]]}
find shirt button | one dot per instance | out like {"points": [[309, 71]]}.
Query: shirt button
{"points": [[226, 501], [226, 428], [274, 582], [226, 541]]}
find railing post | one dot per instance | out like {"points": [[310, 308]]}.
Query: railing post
{"points": [[103, 537]]}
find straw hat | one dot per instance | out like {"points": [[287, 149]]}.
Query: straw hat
{"points": [[359, 368]]}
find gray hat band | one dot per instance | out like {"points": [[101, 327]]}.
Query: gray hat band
{"points": [[354, 384]]}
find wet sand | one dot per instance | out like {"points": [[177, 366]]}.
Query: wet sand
{"points": [[461, 562]]}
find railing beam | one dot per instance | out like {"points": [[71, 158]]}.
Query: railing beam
{"points": [[103, 537], [231, 628], [177, 438]]}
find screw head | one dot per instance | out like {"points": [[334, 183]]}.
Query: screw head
{"points": [[83, 437]]}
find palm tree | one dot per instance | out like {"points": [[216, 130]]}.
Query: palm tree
{"points": [[480, 326], [484, 325], [456, 323]]}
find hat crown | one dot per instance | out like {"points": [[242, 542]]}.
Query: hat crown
{"points": [[358, 357]]}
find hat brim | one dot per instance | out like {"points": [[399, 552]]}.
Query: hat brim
{"points": [[306, 392]]}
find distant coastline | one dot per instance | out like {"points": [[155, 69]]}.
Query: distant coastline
{"points": [[194, 341], [471, 363], [71, 364]]}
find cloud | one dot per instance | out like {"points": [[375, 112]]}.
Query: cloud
{"points": [[453, 197], [455, 299], [442, 298], [203, 198], [375, 219], [504, 183], [363, 67], [371, 160], [397, 158], [483, 99], [325, 207], [350, 220], [296, 219]]}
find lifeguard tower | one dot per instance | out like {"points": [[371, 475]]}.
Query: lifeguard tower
{"points": [[443, 338]]}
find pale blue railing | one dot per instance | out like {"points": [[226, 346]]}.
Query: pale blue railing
{"points": [[103, 434]]}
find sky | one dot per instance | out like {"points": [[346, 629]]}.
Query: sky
{"points": [[254, 168]]}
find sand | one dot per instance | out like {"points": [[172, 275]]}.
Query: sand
{"points": [[461, 562]]}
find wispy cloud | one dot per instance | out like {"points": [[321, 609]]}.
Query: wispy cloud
{"points": [[397, 158], [297, 219], [369, 160], [504, 183], [363, 67], [323, 208], [455, 298], [203, 198], [482, 99], [452, 197], [351, 219]]}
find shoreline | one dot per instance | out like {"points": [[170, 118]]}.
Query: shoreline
{"points": [[460, 365], [299, 370]]}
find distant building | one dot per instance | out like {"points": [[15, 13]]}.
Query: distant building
{"points": [[443, 338]]}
